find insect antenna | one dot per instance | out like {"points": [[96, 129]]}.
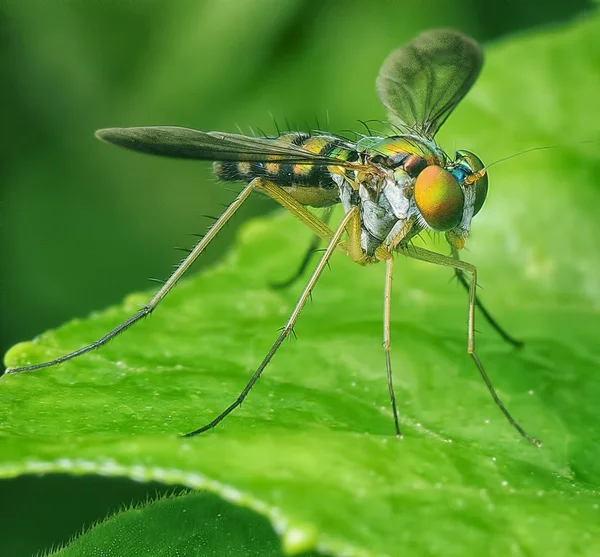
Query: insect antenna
{"points": [[531, 150]]}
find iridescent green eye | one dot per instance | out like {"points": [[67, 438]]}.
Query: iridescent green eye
{"points": [[439, 198], [473, 162]]}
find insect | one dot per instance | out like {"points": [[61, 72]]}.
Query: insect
{"points": [[391, 188]]}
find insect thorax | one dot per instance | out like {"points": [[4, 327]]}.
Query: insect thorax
{"points": [[389, 216]]}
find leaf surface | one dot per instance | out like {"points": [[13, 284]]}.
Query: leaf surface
{"points": [[312, 448]]}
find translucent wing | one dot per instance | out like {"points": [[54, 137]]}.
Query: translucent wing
{"points": [[172, 141], [422, 82]]}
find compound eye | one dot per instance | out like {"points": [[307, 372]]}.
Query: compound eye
{"points": [[473, 162], [439, 198]]}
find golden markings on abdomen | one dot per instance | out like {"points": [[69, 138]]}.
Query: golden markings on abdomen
{"points": [[294, 176]]}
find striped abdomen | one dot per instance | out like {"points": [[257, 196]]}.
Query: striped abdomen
{"points": [[308, 184]]}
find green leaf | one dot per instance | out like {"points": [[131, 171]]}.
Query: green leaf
{"points": [[191, 524], [312, 449]]}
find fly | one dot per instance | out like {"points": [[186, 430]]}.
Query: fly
{"points": [[391, 188]]}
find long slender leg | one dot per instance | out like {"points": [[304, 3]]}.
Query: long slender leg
{"points": [[460, 275], [439, 259], [387, 310], [274, 191], [287, 329], [312, 248], [313, 222], [164, 290], [296, 208]]}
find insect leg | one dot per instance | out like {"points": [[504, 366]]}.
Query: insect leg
{"points": [[312, 248], [438, 259], [387, 309], [313, 222], [354, 248], [287, 329], [296, 208], [460, 275], [157, 298]]}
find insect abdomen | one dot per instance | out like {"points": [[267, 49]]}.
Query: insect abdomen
{"points": [[289, 174]]}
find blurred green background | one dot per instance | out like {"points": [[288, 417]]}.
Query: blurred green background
{"points": [[83, 223]]}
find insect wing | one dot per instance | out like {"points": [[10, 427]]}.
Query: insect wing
{"points": [[186, 143], [422, 82]]}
